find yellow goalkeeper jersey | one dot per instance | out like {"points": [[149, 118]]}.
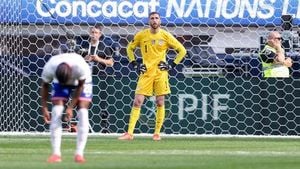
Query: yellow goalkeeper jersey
{"points": [[154, 48]]}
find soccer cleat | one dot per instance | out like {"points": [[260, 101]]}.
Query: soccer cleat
{"points": [[54, 159], [156, 137], [79, 159], [126, 136]]}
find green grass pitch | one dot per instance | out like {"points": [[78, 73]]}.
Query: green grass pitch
{"points": [[22, 152]]}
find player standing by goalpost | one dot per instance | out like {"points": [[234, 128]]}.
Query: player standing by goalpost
{"points": [[68, 73], [153, 42]]}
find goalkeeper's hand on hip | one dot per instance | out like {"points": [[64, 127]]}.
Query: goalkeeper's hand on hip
{"points": [[139, 67], [165, 66]]}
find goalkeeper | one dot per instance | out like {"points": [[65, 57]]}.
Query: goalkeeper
{"points": [[154, 43]]}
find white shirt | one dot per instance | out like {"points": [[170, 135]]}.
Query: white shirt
{"points": [[80, 69]]}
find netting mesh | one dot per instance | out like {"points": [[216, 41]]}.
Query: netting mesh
{"points": [[217, 89], [11, 108]]}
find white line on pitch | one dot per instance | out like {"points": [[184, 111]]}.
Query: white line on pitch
{"points": [[196, 152]]}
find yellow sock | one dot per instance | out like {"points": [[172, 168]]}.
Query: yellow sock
{"points": [[160, 116], [134, 116]]}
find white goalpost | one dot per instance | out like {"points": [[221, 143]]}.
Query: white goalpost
{"points": [[218, 89]]}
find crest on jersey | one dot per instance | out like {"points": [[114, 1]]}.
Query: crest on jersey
{"points": [[160, 42]]}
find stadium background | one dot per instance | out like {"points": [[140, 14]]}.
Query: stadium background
{"points": [[217, 89]]}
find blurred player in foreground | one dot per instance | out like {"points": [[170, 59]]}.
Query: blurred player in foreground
{"points": [[154, 43], [69, 74]]}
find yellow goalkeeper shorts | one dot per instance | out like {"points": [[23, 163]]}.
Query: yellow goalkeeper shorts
{"points": [[153, 85]]}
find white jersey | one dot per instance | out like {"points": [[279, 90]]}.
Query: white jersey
{"points": [[80, 69]]}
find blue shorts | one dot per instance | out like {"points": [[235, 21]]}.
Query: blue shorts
{"points": [[60, 92]]}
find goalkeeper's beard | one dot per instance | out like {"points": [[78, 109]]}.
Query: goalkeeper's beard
{"points": [[155, 26]]}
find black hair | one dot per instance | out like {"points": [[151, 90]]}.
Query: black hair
{"points": [[152, 13], [98, 26], [63, 73]]}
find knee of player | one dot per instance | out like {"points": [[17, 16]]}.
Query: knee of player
{"points": [[84, 104], [160, 101], [137, 103]]}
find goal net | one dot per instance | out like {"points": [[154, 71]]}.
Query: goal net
{"points": [[217, 89], [11, 77]]}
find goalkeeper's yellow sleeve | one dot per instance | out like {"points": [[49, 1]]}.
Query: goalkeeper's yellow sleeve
{"points": [[132, 45], [130, 52], [176, 45], [181, 53]]}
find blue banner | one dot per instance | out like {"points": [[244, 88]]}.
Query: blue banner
{"points": [[178, 12]]}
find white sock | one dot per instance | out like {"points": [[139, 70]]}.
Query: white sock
{"points": [[56, 128], [83, 130]]}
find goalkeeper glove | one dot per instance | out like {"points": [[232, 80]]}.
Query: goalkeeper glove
{"points": [[140, 67], [165, 66]]}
